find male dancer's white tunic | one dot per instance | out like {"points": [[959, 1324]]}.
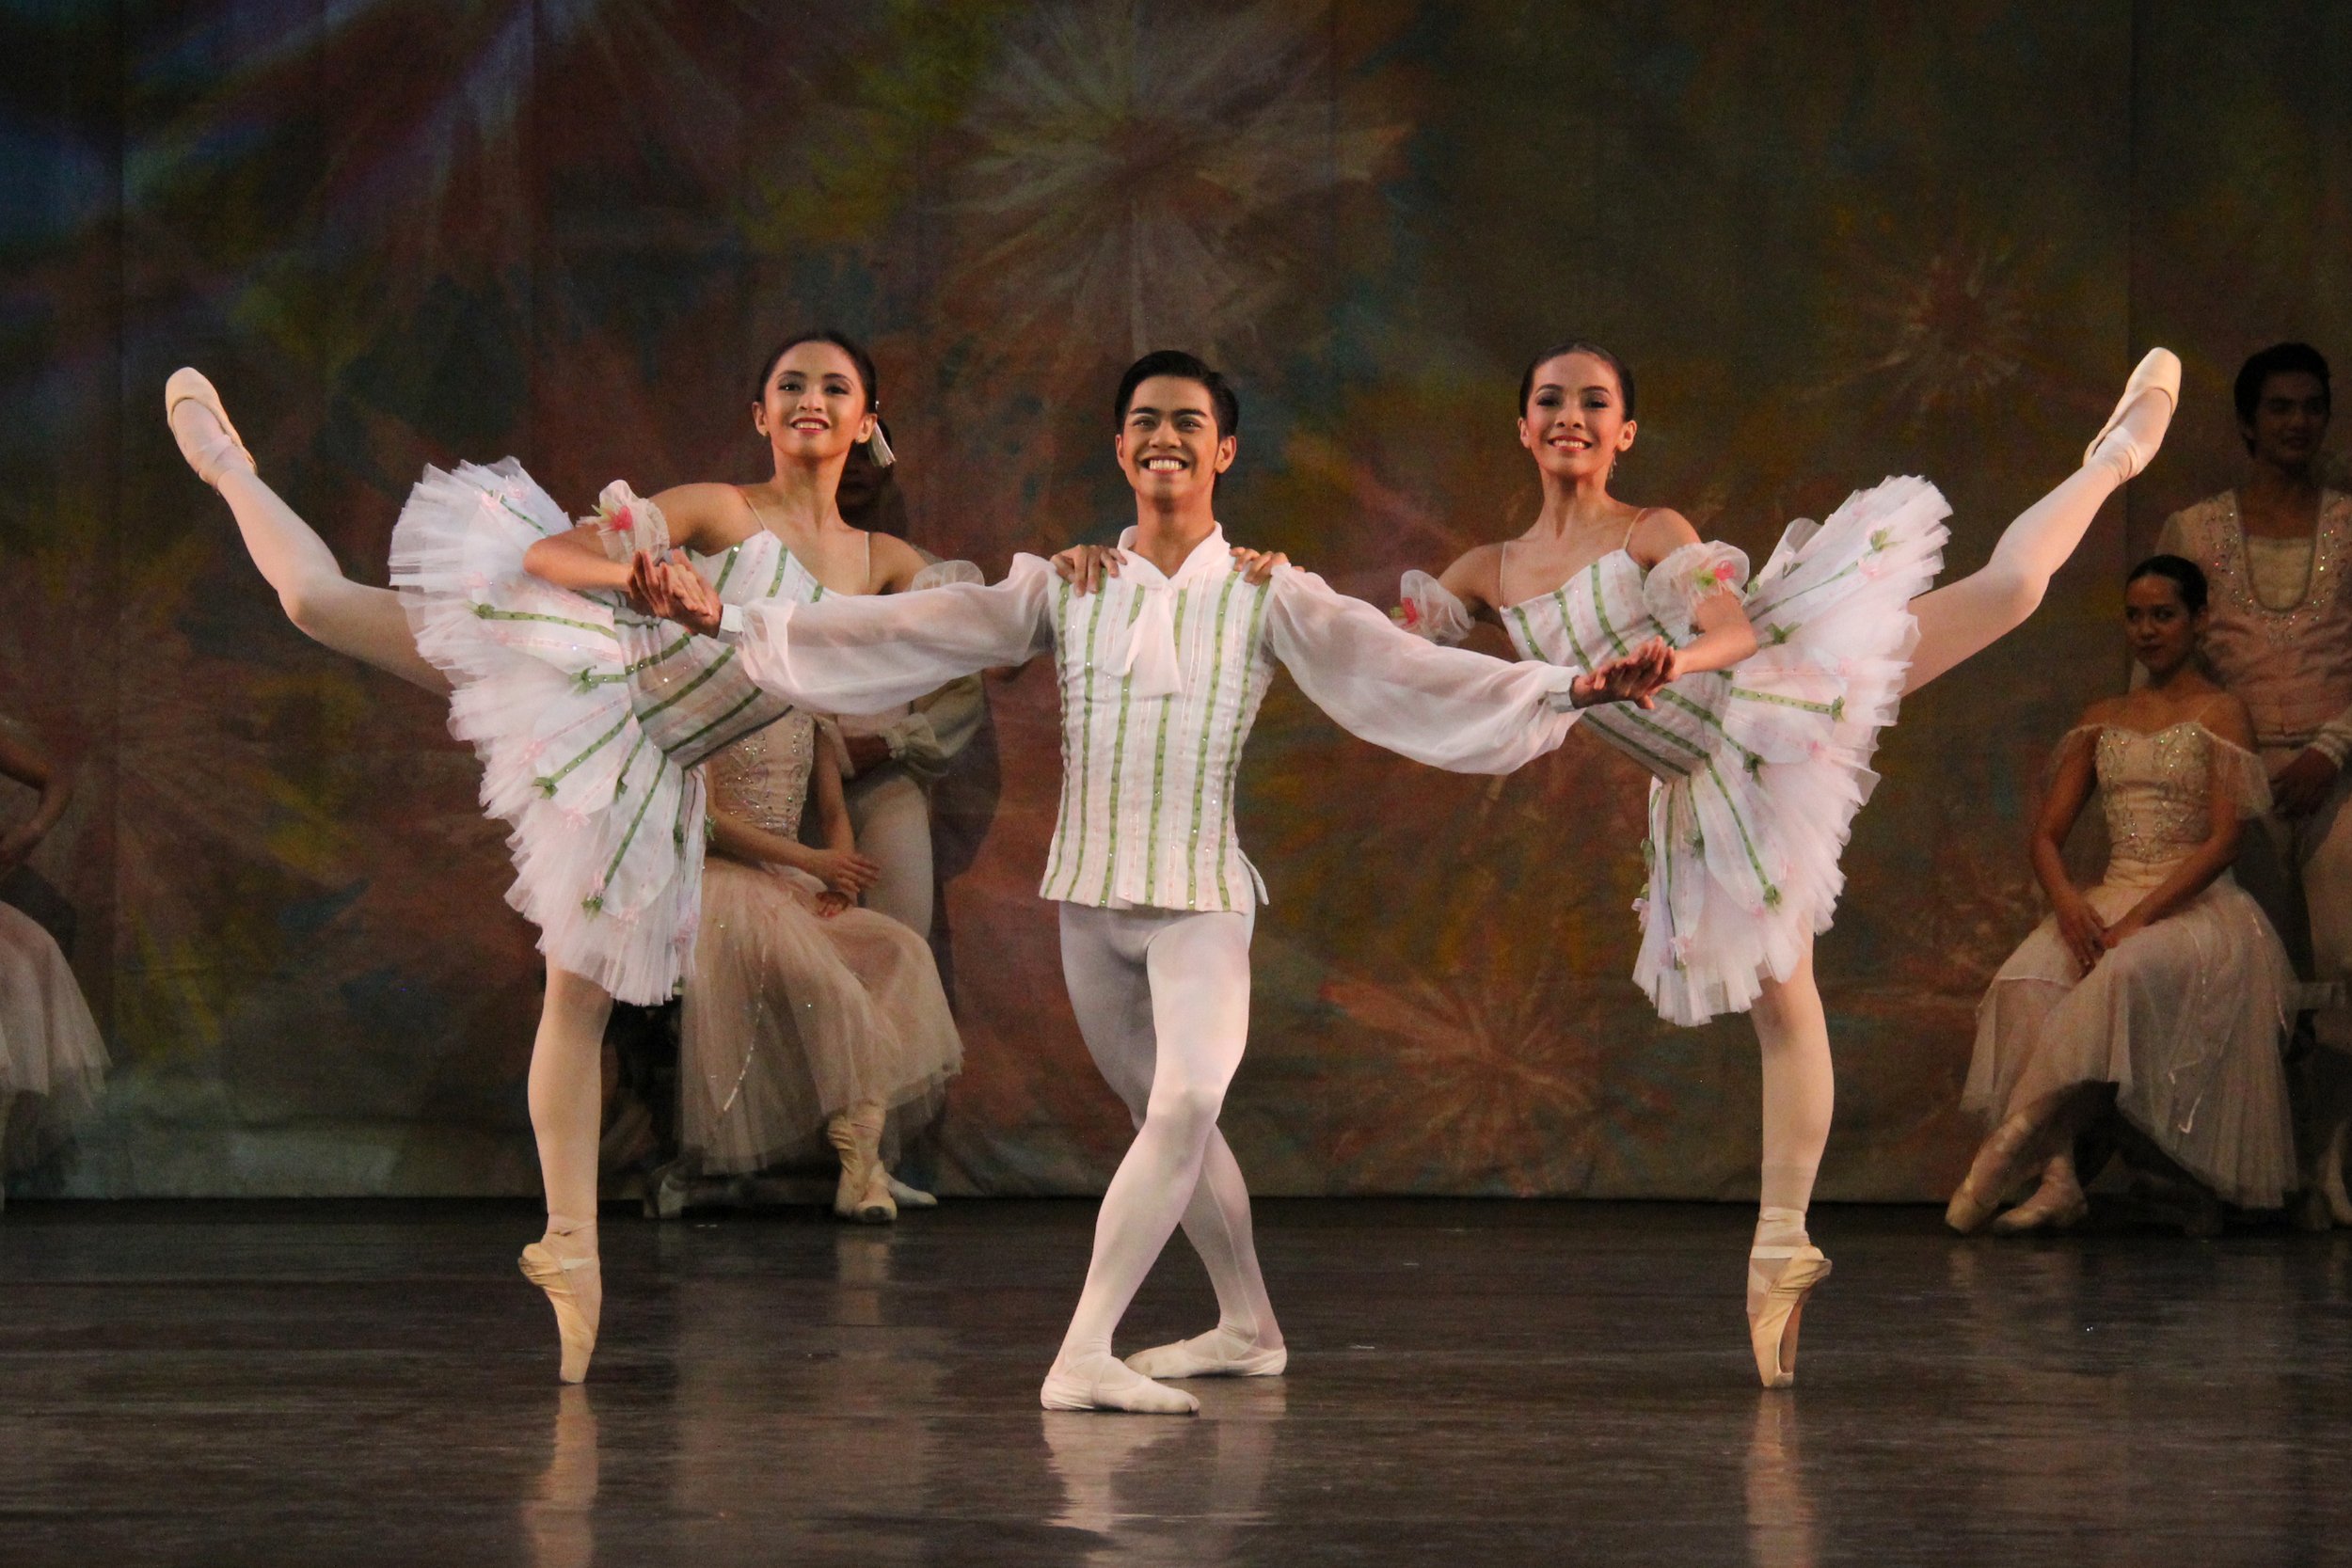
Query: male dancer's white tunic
{"points": [[1161, 678]]}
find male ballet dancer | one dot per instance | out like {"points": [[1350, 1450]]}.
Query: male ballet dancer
{"points": [[1161, 670]]}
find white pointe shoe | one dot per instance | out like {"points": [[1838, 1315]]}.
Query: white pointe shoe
{"points": [[575, 1287], [1218, 1353], [1772, 1324], [1104, 1383], [2159, 372], [909, 1198], [208, 453]]}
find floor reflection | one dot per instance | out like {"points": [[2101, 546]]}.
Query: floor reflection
{"points": [[1781, 1528], [559, 1518], [1167, 1490]]}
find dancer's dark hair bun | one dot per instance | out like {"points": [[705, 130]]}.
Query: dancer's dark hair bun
{"points": [[2184, 574], [842, 340], [1578, 345], [1184, 367]]}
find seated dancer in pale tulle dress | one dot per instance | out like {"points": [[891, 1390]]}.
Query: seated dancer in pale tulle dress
{"points": [[2163, 988], [1759, 750], [588, 716], [804, 1014], [51, 1061]]}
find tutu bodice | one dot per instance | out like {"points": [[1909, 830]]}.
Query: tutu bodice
{"points": [[1757, 770], [763, 779], [2155, 790]]}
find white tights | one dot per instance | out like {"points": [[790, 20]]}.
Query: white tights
{"points": [[366, 623], [1956, 622], [1163, 1000]]}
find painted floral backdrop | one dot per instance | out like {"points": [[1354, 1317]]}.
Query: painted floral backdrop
{"points": [[1837, 241]]}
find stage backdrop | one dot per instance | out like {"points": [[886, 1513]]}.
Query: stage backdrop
{"points": [[1838, 241]]}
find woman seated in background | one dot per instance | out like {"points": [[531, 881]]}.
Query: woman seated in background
{"points": [[51, 1061], [804, 1015], [2162, 991]]}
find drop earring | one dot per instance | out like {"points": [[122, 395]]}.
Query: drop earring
{"points": [[878, 446]]}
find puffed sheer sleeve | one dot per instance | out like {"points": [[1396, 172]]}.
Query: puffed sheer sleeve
{"points": [[2238, 776], [1697, 572], [859, 654], [1449, 708], [1428, 608]]}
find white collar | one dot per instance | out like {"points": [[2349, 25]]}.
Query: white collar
{"points": [[1211, 556]]}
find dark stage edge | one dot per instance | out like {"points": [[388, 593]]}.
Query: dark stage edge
{"points": [[1471, 1383]]}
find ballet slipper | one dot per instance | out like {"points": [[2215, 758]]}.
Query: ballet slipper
{"points": [[863, 1194], [2045, 1211], [2158, 372], [1220, 1352], [211, 453], [1779, 1301], [909, 1198], [1989, 1177], [575, 1287], [1100, 1382], [875, 1206]]}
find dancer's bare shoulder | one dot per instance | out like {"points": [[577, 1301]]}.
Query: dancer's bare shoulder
{"points": [[2224, 713], [896, 564], [707, 518], [1658, 533], [1475, 579]]}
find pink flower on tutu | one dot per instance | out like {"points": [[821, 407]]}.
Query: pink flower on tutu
{"points": [[621, 521], [1407, 614], [1718, 577]]}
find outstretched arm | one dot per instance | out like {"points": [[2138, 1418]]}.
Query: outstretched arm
{"points": [[853, 653], [1445, 707]]}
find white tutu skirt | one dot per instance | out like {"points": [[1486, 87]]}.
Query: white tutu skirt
{"points": [[607, 824], [51, 1061], [790, 1017], [1744, 852], [2186, 1019]]}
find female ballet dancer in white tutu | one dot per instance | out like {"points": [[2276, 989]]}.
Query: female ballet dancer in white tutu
{"points": [[587, 713], [2163, 990], [1759, 750]]}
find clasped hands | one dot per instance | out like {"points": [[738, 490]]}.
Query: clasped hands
{"points": [[669, 589], [2087, 937]]}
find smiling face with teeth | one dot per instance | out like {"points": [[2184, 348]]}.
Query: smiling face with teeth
{"points": [[815, 405], [1575, 420], [1168, 444]]}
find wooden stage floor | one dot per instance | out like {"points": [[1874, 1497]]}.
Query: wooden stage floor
{"points": [[1471, 1384]]}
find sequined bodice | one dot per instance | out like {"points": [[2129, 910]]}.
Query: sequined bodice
{"points": [[2158, 793], [2291, 664], [763, 779]]}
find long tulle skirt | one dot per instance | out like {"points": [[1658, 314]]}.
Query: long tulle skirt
{"points": [[790, 1017], [2186, 1019]]}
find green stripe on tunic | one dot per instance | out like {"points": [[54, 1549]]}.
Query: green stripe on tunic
{"points": [[1119, 758], [1159, 763], [1208, 727]]}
